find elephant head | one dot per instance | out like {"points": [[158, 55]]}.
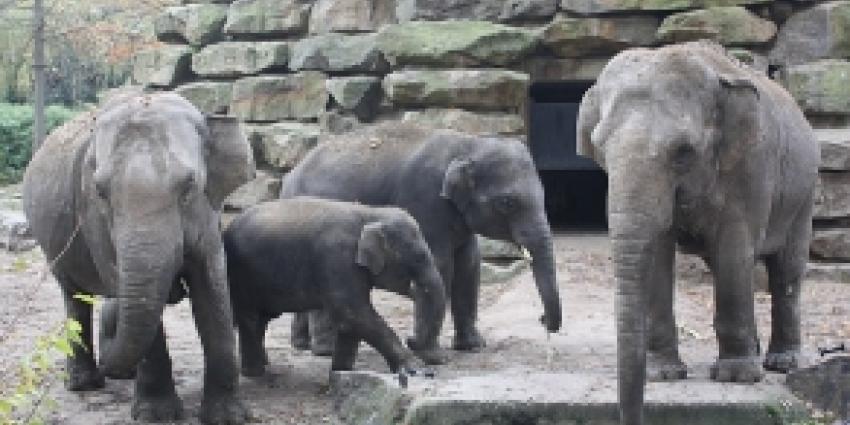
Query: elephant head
{"points": [[394, 251], [496, 188], [668, 125], [156, 174]]}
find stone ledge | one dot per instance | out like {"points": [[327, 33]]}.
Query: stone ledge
{"points": [[834, 148], [562, 398]]}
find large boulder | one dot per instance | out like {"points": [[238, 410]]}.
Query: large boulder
{"points": [[467, 121], [359, 94], [576, 37], [210, 97], [489, 10], [454, 43], [619, 6], [282, 145], [834, 148], [196, 24], [163, 66], [351, 15], [338, 53], [822, 31], [821, 87], [235, 58], [267, 18], [832, 196], [482, 89], [831, 245], [564, 69], [300, 96], [264, 187], [730, 26]]}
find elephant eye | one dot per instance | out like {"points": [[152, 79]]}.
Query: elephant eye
{"points": [[505, 204], [102, 189], [683, 156]]}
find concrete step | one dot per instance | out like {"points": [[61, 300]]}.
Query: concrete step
{"points": [[367, 398]]}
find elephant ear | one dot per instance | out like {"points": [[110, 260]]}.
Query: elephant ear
{"points": [[372, 248], [588, 118], [739, 120], [458, 183], [230, 161]]}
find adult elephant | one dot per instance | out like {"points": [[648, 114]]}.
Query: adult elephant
{"points": [[455, 186], [125, 203], [703, 152]]}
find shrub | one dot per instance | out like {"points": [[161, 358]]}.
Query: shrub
{"points": [[16, 136]]}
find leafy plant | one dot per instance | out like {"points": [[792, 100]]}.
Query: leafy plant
{"points": [[16, 123]]}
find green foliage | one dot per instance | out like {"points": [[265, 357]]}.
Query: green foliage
{"points": [[24, 401], [16, 136]]}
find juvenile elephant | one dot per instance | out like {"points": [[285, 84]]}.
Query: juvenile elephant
{"points": [[703, 152], [455, 186], [125, 203], [302, 254]]}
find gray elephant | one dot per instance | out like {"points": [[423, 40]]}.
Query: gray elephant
{"points": [[455, 186], [125, 204], [704, 153], [302, 254]]}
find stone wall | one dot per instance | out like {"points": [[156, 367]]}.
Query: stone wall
{"points": [[295, 69]]}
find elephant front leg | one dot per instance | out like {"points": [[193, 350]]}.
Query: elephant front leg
{"points": [[214, 320], [464, 290], [155, 399], [83, 374], [732, 263], [663, 361]]}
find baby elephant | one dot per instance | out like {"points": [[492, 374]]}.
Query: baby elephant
{"points": [[304, 254]]}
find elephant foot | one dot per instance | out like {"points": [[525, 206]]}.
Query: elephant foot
{"points": [[300, 342], [224, 410], [322, 349], [468, 341], [739, 369], [430, 355], [157, 409], [253, 370], [82, 378], [782, 362], [660, 367]]}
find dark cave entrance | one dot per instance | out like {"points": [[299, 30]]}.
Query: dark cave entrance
{"points": [[576, 188]]}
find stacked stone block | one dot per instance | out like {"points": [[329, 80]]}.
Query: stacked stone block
{"points": [[293, 70]]}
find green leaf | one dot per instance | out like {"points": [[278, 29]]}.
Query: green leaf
{"points": [[86, 298], [63, 346], [73, 325]]}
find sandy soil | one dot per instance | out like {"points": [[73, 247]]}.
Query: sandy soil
{"points": [[295, 390]]}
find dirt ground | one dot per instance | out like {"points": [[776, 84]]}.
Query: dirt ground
{"points": [[295, 389]]}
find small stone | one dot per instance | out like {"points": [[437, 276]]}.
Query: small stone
{"points": [[210, 97], [576, 37], [467, 121], [360, 95], [730, 26], [492, 249], [231, 59], [300, 96], [265, 187], [821, 31], [834, 148], [477, 89], [196, 24], [615, 6], [351, 15], [267, 18], [821, 87], [338, 53], [557, 69], [832, 196], [831, 245], [164, 66], [282, 145]]}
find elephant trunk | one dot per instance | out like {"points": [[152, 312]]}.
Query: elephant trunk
{"points": [[429, 297], [638, 213], [147, 261], [536, 236]]}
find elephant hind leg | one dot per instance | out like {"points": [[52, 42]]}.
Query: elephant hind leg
{"points": [[300, 331], [83, 374], [322, 333], [663, 360], [785, 271]]}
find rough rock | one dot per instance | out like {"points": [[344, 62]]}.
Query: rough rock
{"points": [[338, 53], [730, 26], [492, 249], [265, 187], [164, 66], [754, 60], [267, 18], [615, 6], [360, 95], [831, 245], [822, 31], [484, 89], [502, 271], [575, 37], [828, 272], [282, 145], [834, 148], [235, 58], [467, 122], [557, 69], [454, 43], [821, 87], [824, 385], [351, 15], [196, 24], [210, 97], [278, 97], [489, 10], [15, 234], [832, 195]]}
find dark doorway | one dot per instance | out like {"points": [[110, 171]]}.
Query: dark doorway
{"points": [[575, 186]]}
